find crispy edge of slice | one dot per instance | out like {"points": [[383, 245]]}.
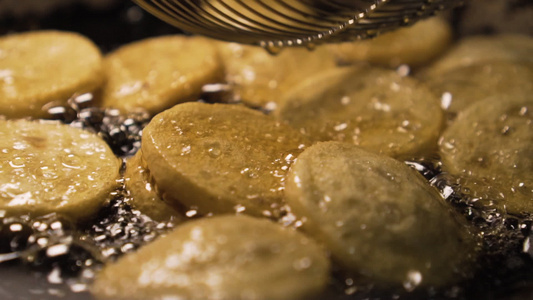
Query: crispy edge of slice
{"points": [[144, 196]]}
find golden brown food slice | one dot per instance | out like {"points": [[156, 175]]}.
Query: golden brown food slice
{"points": [[39, 67], [227, 257], [492, 141], [53, 168], [467, 85], [415, 45], [374, 108], [157, 73], [261, 79], [378, 217], [481, 49], [144, 196], [220, 158]]}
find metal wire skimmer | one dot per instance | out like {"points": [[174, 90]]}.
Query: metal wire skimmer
{"points": [[277, 23]]}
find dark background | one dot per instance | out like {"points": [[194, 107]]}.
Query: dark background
{"points": [[108, 25]]}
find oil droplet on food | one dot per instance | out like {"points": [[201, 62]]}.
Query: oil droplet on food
{"points": [[414, 278], [239, 208], [310, 46], [214, 150], [403, 70], [191, 213], [302, 264], [271, 47], [345, 100], [71, 161], [48, 173], [249, 173], [446, 100], [17, 162], [186, 150]]}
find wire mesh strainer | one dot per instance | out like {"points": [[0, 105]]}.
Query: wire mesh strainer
{"points": [[292, 22]]}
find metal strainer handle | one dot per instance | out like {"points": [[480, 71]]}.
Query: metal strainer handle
{"points": [[277, 23]]}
